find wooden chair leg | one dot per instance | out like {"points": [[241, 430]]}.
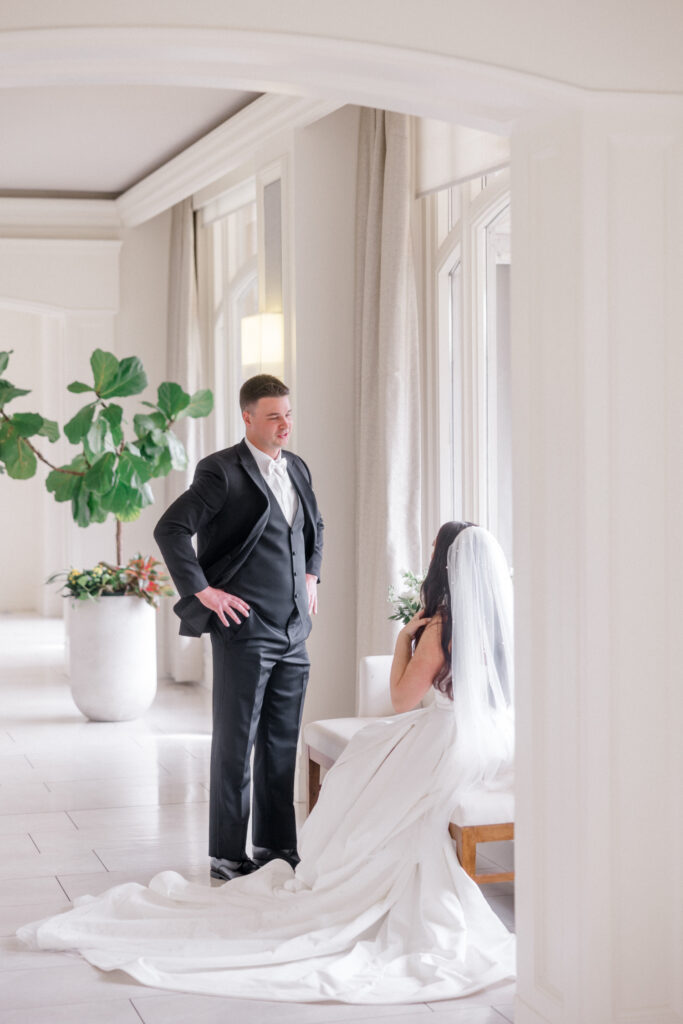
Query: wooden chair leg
{"points": [[313, 783], [466, 846]]}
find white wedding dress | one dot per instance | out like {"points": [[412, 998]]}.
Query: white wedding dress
{"points": [[379, 910]]}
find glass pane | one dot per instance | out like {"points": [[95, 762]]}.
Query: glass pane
{"points": [[456, 459], [499, 424]]}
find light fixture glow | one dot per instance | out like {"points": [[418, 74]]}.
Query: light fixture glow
{"points": [[263, 341]]}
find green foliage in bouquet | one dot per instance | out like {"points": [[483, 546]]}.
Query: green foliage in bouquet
{"points": [[140, 578], [110, 474], [406, 600]]}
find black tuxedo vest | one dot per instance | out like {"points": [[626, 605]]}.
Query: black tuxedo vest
{"points": [[273, 579]]}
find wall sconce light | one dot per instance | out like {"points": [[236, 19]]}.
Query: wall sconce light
{"points": [[263, 341]]}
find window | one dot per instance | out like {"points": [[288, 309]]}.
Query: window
{"points": [[467, 238], [240, 275]]}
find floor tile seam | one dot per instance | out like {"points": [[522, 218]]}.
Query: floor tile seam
{"points": [[132, 1003], [56, 878], [365, 1019]]}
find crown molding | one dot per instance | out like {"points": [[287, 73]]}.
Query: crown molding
{"points": [[216, 154], [23, 216]]}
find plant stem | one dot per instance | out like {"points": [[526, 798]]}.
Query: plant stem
{"points": [[118, 542], [38, 455]]}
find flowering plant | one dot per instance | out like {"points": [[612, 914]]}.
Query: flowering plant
{"points": [[406, 602], [139, 578]]}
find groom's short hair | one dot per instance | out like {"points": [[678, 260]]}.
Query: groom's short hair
{"points": [[263, 385]]}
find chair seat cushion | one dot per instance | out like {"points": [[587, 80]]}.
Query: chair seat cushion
{"points": [[330, 736], [484, 807]]}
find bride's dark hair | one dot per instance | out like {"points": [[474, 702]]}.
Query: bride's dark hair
{"points": [[436, 598]]}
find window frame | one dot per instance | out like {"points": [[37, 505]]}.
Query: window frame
{"points": [[464, 241]]}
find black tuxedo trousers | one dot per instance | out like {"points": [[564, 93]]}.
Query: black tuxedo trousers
{"points": [[259, 684]]}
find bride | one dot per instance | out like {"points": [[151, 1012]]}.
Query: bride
{"points": [[379, 909]]}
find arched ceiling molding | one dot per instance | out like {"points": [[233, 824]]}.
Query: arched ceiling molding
{"points": [[304, 78], [449, 88]]}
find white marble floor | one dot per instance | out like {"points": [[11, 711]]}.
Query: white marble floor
{"points": [[86, 805]]}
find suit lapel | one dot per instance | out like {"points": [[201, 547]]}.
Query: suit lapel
{"points": [[301, 485], [249, 465]]}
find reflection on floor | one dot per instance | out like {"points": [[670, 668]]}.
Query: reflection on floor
{"points": [[84, 806]]}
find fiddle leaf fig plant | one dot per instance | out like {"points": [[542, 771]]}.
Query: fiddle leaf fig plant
{"points": [[110, 473]]}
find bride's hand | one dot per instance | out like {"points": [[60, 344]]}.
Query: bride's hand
{"points": [[417, 622]]}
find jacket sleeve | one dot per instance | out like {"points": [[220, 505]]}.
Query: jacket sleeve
{"points": [[314, 562], [173, 533]]}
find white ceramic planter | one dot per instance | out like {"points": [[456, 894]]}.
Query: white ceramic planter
{"points": [[112, 655]]}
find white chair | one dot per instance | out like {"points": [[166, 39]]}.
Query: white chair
{"points": [[482, 817]]}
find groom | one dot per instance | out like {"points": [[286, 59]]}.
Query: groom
{"points": [[252, 585]]}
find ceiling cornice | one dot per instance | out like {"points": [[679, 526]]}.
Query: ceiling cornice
{"points": [[26, 215], [225, 148]]}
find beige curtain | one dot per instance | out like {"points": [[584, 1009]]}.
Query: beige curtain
{"points": [[387, 375], [185, 365]]}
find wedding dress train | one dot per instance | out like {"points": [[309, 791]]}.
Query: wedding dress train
{"points": [[378, 911]]}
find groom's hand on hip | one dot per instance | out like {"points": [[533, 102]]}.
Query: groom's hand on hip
{"points": [[221, 603]]}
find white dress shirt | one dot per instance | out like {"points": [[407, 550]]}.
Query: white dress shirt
{"points": [[274, 472]]}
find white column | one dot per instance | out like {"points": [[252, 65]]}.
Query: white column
{"points": [[598, 423]]}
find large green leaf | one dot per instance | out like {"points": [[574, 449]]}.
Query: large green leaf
{"points": [[143, 422], [62, 485], [133, 469], [26, 424], [130, 514], [79, 504], [19, 460], [176, 450], [130, 379], [65, 485], [105, 370], [100, 476], [171, 399], [77, 387], [113, 414], [4, 360], [123, 500], [79, 425], [50, 430], [98, 439], [8, 392], [162, 465], [201, 404], [97, 513], [146, 494]]}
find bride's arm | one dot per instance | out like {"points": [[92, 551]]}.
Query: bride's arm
{"points": [[413, 674]]}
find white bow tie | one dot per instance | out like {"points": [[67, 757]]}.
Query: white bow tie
{"points": [[277, 468]]}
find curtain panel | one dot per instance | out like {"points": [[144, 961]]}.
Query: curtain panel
{"points": [[186, 364], [387, 375]]}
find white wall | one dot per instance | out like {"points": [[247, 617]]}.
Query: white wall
{"points": [[140, 330], [324, 191], [52, 347]]}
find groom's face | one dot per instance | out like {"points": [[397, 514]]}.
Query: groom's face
{"points": [[269, 423]]}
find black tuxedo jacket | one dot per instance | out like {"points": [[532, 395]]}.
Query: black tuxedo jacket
{"points": [[227, 507]]}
